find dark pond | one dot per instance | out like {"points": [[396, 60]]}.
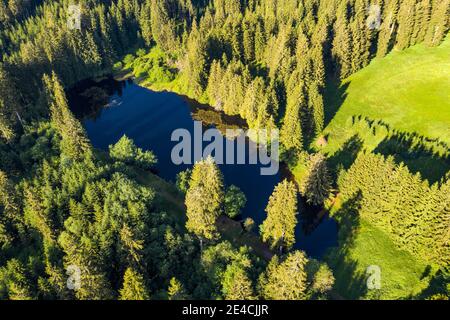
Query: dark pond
{"points": [[109, 109]]}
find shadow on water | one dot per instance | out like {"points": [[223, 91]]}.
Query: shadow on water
{"points": [[88, 97], [316, 231]]}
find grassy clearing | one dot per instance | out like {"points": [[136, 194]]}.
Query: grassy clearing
{"points": [[408, 90], [155, 70], [402, 275], [398, 105]]}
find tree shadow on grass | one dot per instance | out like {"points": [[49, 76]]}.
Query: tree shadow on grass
{"points": [[436, 286], [429, 157], [335, 94], [345, 157], [350, 284], [418, 154]]}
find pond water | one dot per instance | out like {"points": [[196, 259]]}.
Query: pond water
{"points": [[110, 109]]}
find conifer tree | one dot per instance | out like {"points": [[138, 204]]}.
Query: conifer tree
{"points": [[74, 143], [204, 199], [421, 21], [176, 290], [291, 135], [387, 28], [260, 41], [316, 183], [279, 226], [323, 280], [163, 29], [406, 23], [145, 22], [236, 284], [316, 104], [196, 61], [9, 105], [342, 45], [133, 286], [438, 26], [248, 42], [285, 280]]}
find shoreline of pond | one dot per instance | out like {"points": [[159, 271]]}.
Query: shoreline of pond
{"points": [[310, 219]]}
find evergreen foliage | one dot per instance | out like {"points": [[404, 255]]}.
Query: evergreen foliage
{"points": [[278, 228]]}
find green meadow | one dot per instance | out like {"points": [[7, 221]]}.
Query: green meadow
{"points": [[398, 106]]}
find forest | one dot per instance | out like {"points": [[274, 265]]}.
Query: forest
{"points": [[81, 223]]}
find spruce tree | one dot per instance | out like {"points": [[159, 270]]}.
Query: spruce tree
{"points": [[342, 45], [176, 290], [291, 135], [74, 142], [285, 280], [438, 26], [406, 23], [316, 104], [279, 227], [387, 28], [133, 287], [315, 185], [236, 284], [204, 199]]}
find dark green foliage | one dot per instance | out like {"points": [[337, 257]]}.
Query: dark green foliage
{"points": [[63, 207], [234, 202]]}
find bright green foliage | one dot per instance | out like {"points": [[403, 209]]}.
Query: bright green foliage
{"points": [[133, 286], [176, 290], [183, 180], [126, 151], [316, 104], [14, 281], [438, 26], [291, 135], [195, 64], [204, 199], [342, 42], [152, 67], [285, 280], [406, 19], [323, 280], [387, 28], [249, 224], [236, 284], [234, 201], [279, 226], [223, 266]]}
